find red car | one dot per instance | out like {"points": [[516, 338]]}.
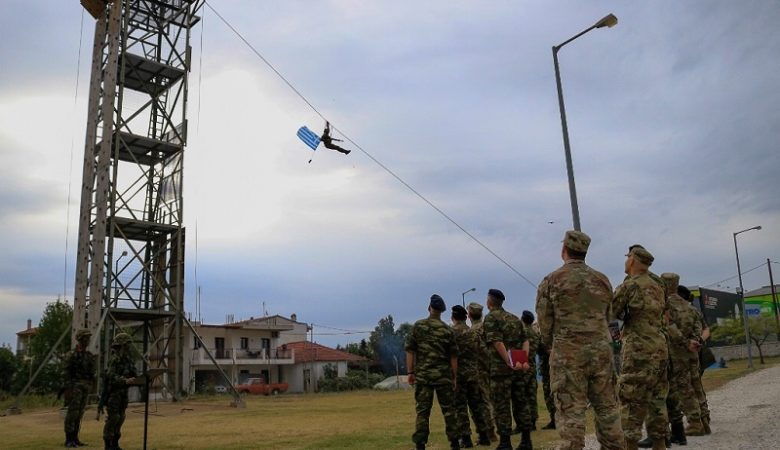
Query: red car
{"points": [[259, 386]]}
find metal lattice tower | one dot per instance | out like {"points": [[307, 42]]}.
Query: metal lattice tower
{"points": [[131, 197]]}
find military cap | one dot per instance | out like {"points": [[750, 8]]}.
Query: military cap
{"points": [[496, 294], [684, 292], [641, 255], [121, 339], [577, 241], [459, 312], [475, 307], [83, 333], [527, 317], [671, 279], [437, 303]]}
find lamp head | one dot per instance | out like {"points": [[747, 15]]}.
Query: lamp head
{"points": [[608, 21], [757, 228], [124, 253]]}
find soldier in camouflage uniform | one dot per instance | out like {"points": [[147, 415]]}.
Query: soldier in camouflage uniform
{"points": [[544, 370], [469, 395], [685, 337], [79, 378], [696, 371], [475, 316], [431, 350], [528, 378], [120, 374], [572, 306], [640, 302], [504, 332]]}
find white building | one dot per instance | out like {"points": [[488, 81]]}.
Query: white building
{"points": [[274, 348]]}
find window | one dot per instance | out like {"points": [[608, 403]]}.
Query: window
{"points": [[244, 343], [197, 343]]}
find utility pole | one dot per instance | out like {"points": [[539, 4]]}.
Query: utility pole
{"points": [[774, 295]]}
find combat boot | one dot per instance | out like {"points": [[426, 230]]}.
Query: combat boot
{"points": [[69, 442], [694, 428], [116, 444], [668, 442], [659, 444], [484, 439], [705, 421], [109, 444], [455, 444], [645, 443], [525, 441], [504, 442], [466, 442], [678, 434], [550, 426], [419, 446], [631, 445]]}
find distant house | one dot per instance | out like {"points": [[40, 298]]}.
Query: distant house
{"points": [[271, 347], [23, 339]]}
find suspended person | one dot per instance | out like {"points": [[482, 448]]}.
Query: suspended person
{"points": [[79, 378], [120, 375], [328, 141]]}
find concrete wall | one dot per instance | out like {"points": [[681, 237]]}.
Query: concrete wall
{"points": [[730, 352]]}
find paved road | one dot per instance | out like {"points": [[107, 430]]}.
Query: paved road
{"points": [[743, 414]]}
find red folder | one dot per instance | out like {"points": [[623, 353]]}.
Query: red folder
{"points": [[517, 356]]}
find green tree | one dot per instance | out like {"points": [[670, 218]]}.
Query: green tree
{"points": [[8, 367], [732, 331], [387, 345], [57, 317]]}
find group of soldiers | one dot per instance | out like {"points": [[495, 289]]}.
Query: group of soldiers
{"points": [[472, 368], [79, 375]]}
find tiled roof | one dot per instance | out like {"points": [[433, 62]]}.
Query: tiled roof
{"points": [[27, 332], [306, 351]]}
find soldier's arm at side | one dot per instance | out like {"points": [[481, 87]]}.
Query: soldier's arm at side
{"points": [[622, 298], [411, 347], [410, 366], [545, 314]]}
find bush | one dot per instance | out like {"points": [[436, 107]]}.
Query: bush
{"points": [[353, 381]]}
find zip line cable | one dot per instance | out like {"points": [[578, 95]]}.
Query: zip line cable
{"points": [[70, 170], [735, 276], [375, 160]]}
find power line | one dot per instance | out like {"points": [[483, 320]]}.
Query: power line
{"points": [[735, 276], [380, 164], [344, 331]]}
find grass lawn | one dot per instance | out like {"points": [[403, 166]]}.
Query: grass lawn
{"points": [[357, 420]]}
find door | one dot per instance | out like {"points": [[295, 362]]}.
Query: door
{"points": [[219, 346]]}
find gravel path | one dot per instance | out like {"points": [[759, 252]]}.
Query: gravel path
{"points": [[743, 414]]}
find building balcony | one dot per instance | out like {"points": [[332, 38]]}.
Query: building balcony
{"points": [[246, 356]]}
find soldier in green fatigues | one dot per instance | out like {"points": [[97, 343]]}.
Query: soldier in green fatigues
{"points": [[432, 362], [544, 370], [640, 302], [685, 339], [504, 332], [696, 371], [120, 374], [79, 378], [474, 310], [469, 395], [530, 385], [573, 309]]}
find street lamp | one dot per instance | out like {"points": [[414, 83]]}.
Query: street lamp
{"points": [[463, 295], [742, 297], [609, 22], [116, 277]]}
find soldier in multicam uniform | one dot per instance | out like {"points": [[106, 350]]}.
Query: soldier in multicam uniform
{"points": [[504, 332], [79, 378], [640, 302], [696, 371], [120, 375], [474, 310], [572, 306], [528, 378], [469, 395], [685, 335], [431, 350]]}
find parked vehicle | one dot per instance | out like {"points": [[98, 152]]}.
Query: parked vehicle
{"points": [[219, 389], [259, 386]]}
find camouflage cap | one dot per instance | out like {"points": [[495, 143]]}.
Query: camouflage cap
{"points": [[121, 339], [475, 307], [83, 333], [672, 280], [641, 254], [577, 241]]}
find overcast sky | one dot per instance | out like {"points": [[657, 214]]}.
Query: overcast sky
{"points": [[674, 118]]}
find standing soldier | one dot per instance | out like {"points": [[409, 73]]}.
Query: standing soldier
{"points": [[79, 378], [504, 332], [685, 335], [640, 302], [120, 374], [469, 395], [529, 378], [696, 371], [544, 370], [572, 306], [475, 316], [431, 350]]}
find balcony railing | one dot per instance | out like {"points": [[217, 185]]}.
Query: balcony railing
{"points": [[246, 355]]}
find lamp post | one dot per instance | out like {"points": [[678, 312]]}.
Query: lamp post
{"points": [[608, 21], [742, 297], [116, 277], [463, 295]]}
